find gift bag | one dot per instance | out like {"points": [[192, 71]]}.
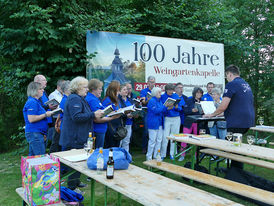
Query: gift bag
{"points": [[121, 158], [41, 179]]}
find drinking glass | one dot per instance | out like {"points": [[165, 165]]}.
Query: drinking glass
{"points": [[261, 120], [87, 148], [202, 131], [229, 136], [250, 140]]}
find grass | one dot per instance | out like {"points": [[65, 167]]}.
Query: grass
{"points": [[10, 176]]}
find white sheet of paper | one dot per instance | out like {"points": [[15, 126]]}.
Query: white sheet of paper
{"points": [[77, 158], [208, 107]]}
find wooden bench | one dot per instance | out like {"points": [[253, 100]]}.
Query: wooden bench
{"points": [[271, 143], [239, 158], [20, 192], [221, 183]]}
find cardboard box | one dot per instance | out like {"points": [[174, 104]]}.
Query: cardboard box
{"points": [[41, 179]]}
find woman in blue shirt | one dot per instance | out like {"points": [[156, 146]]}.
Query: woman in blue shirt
{"points": [[100, 124], [111, 98], [124, 101], [35, 117], [155, 110]]}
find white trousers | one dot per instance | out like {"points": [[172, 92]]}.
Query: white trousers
{"points": [[154, 142], [124, 143], [172, 126]]}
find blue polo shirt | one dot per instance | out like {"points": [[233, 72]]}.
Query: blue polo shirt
{"points": [[207, 97], [127, 103], [34, 107], [95, 104], [173, 112], [240, 111], [143, 92]]}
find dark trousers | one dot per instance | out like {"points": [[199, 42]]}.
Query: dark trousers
{"points": [[55, 147], [234, 163]]}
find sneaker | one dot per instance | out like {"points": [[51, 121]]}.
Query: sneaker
{"points": [[82, 185], [77, 190], [171, 157], [181, 159], [88, 179]]}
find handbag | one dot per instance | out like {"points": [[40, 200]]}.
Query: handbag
{"points": [[120, 132]]}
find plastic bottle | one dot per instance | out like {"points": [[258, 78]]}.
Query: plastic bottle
{"points": [[90, 142], [158, 158], [110, 165], [100, 161]]}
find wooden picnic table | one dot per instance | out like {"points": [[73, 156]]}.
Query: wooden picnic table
{"points": [[263, 128], [244, 149], [144, 186]]}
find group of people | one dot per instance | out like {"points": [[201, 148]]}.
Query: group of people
{"points": [[83, 108]]}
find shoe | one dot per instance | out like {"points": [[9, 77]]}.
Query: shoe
{"points": [[181, 159], [171, 157], [77, 190], [82, 185], [88, 179]]}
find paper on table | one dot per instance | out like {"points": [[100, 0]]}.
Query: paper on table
{"points": [[208, 107], [77, 158]]}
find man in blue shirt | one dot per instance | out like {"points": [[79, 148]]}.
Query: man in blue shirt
{"points": [[144, 99], [208, 95], [237, 104]]}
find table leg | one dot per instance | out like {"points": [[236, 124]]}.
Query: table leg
{"points": [[193, 151], [119, 196], [92, 192], [174, 152], [106, 195], [24, 203]]}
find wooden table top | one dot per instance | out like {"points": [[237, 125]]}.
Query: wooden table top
{"points": [[263, 128], [244, 149], [146, 187]]}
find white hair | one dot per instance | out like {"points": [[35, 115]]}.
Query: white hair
{"points": [[76, 84], [155, 90]]}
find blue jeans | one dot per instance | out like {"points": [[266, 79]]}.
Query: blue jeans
{"points": [[218, 132], [100, 139], [36, 143]]}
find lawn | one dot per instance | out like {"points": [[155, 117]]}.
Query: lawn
{"points": [[10, 176]]}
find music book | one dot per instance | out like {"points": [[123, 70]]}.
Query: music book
{"points": [[172, 101], [57, 111], [122, 111], [107, 110], [54, 102]]}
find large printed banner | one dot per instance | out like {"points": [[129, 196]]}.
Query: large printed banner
{"points": [[132, 58]]}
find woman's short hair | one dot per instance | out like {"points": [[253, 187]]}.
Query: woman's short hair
{"points": [[216, 91], [112, 90], [169, 87], [65, 86], [155, 90], [195, 90], [33, 88], [94, 84], [76, 84]]}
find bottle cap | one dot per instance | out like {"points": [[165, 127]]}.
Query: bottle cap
{"points": [[158, 150], [90, 134]]}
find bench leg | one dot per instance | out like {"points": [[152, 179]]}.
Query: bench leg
{"points": [[106, 195], [119, 196], [92, 192], [193, 152]]}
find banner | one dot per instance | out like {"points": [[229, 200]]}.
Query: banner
{"points": [[133, 58]]}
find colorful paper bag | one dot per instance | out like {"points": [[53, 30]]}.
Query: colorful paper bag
{"points": [[41, 179]]}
